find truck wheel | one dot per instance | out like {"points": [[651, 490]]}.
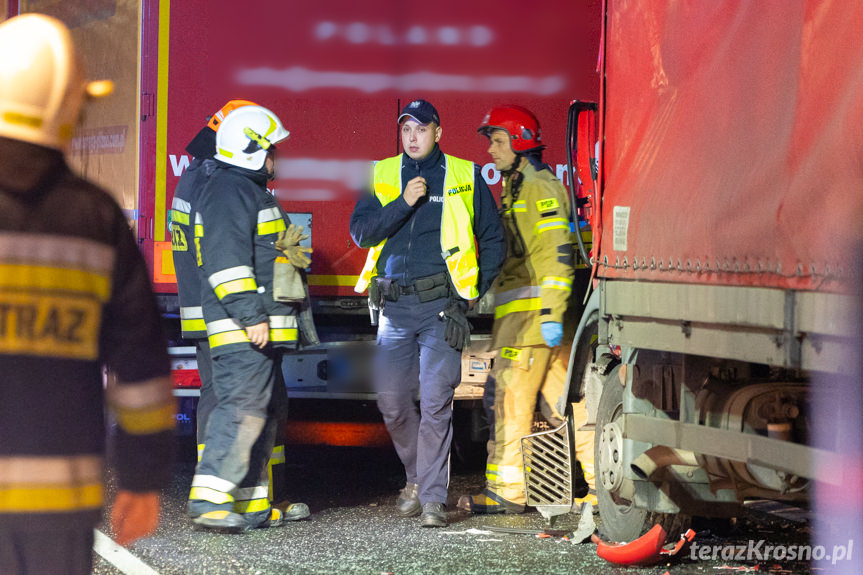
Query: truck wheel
{"points": [[585, 355], [621, 520]]}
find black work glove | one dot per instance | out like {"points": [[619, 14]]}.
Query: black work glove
{"points": [[457, 332]]}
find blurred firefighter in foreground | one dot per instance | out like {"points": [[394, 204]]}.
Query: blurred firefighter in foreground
{"points": [[74, 296], [530, 298], [185, 254], [240, 232], [423, 271]]}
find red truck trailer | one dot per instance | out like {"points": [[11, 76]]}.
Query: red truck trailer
{"points": [[336, 73], [725, 197]]}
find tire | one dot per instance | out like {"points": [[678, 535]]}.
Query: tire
{"points": [[585, 354], [621, 520]]}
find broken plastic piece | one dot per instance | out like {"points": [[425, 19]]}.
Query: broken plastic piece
{"points": [[685, 539], [643, 551], [646, 550], [586, 525], [548, 532]]}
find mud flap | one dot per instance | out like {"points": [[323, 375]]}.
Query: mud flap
{"points": [[548, 461]]}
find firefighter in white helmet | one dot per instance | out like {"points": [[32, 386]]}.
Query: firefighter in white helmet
{"points": [[534, 321], [238, 227], [185, 253], [74, 297], [185, 256]]}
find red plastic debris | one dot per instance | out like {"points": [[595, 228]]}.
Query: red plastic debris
{"points": [[685, 539], [643, 551], [646, 550]]}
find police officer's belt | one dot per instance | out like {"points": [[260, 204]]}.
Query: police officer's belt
{"points": [[426, 289]]}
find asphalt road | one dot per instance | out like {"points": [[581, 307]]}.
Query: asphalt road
{"points": [[354, 529]]}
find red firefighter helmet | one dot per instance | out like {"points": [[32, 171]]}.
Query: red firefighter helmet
{"points": [[520, 123]]}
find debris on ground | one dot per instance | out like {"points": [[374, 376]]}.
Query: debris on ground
{"points": [[646, 550], [586, 525], [470, 531], [537, 532]]}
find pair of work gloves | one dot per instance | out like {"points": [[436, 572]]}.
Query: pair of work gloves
{"points": [[288, 243]]}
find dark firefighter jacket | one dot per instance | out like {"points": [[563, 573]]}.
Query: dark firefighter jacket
{"points": [[74, 296], [184, 248], [237, 232]]}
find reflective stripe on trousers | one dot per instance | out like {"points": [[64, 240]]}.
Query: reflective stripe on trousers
{"points": [[518, 377]]}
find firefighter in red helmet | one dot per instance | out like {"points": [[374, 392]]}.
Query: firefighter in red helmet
{"points": [[531, 296]]}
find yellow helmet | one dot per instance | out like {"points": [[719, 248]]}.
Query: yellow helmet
{"points": [[246, 134], [42, 83]]}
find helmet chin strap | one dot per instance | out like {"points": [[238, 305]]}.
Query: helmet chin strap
{"points": [[514, 167]]}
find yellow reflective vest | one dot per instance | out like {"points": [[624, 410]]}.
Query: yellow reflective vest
{"points": [[457, 240]]}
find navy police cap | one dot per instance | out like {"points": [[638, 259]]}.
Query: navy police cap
{"points": [[421, 111]]}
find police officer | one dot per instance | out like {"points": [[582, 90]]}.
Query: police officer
{"points": [[238, 223], [531, 296], [74, 296], [423, 270]]}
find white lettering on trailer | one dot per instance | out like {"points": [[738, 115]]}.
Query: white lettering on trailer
{"points": [[369, 33], [354, 173], [179, 165], [299, 79], [621, 227], [562, 174], [490, 174], [305, 195]]}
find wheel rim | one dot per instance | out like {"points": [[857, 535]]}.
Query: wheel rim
{"points": [[611, 454]]}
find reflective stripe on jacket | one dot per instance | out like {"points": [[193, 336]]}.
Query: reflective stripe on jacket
{"points": [[457, 238], [238, 223], [75, 297], [184, 248]]}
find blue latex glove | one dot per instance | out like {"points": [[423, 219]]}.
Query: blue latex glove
{"points": [[552, 333]]}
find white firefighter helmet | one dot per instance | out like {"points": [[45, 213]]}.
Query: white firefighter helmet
{"points": [[42, 83], [246, 134]]}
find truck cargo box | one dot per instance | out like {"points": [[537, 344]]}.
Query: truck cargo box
{"points": [[733, 137]]}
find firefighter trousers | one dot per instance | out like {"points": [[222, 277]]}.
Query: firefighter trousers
{"points": [[207, 400], [49, 550], [414, 358], [518, 377], [232, 473], [206, 404]]}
